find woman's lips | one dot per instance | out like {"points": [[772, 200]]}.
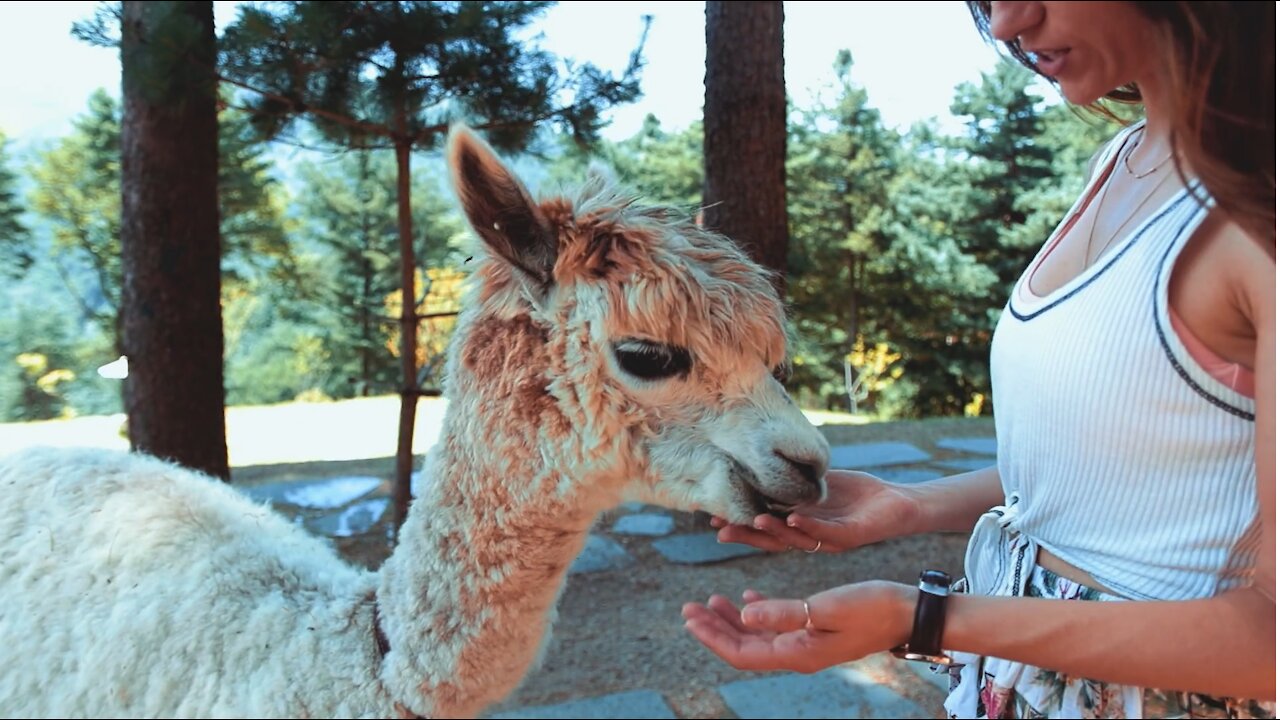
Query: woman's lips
{"points": [[1050, 62]]}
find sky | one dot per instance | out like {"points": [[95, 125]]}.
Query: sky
{"points": [[908, 55]]}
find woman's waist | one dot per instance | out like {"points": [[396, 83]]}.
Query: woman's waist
{"points": [[1004, 548], [1056, 565]]}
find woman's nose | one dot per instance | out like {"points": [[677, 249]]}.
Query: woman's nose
{"points": [[1009, 18]]}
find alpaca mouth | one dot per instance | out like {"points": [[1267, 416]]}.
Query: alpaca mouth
{"points": [[761, 503], [771, 506]]}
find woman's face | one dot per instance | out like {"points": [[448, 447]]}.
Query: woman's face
{"points": [[1089, 48]]}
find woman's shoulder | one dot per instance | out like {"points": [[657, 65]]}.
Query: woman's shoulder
{"points": [[1228, 264]]}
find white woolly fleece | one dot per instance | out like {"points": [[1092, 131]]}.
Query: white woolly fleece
{"points": [[130, 587]]}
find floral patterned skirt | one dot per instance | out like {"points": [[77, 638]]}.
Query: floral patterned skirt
{"points": [[996, 688]]}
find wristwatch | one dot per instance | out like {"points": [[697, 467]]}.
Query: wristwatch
{"points": [[925, 644]]}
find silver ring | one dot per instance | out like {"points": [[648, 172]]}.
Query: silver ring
{"points": [[816, 548], [808, 619]]}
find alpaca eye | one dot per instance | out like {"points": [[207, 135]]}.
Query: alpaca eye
{"points": [[782, 373], [652, 361]]}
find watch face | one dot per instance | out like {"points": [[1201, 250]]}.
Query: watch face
{"points": [[935, 582], [935, 577]]}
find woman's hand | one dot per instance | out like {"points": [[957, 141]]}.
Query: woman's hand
{"points": [[859, 509], [840, 625]]}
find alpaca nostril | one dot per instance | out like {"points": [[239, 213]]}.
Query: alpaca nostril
{"points": [[807, 470]]}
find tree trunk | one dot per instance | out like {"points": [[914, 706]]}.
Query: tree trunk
{"points": [[170, 247], [408, 338], [745, 130]]}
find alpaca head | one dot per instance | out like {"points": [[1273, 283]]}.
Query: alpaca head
{"points": [[657, 343]]}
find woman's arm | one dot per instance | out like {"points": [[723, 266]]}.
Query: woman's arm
{"points": [[1225, 645], [1219, 646], [953, 503]]}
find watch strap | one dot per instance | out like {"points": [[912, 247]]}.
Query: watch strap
{"points": [[930, 619]]}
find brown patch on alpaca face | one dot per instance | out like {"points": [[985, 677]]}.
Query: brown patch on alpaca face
{"points": [[510, 356]]}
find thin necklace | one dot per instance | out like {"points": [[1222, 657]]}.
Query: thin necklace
{"points": [[1138, 176], [1089, 257]]}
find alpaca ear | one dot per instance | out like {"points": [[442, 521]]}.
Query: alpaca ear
{"points": [[501, 210]]}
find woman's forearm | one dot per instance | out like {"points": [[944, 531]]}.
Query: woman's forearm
{"points": [[953, 504], [1219, 646]]}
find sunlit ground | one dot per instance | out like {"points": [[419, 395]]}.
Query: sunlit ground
{"points": [[288, 433]]}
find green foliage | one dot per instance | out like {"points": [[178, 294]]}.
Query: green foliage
{"points": [[274, 354], [252, 205], [350, 206], [15, 253], [371, 74], [842, 161], [77, 192], [328, 334], [35, 358], [663, 167], [76, 199], [872, 257], [1005, 158]]}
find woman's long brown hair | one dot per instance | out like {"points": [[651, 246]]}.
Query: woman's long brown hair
{"points": [[1224, 100]]}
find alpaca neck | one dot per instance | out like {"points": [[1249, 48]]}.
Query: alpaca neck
{"points": [[482, 557]]}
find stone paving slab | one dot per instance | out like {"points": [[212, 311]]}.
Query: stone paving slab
{"points": [[836, 692], [634, 704], [653, 524], [700, 548], [350, 521], [910, 475], [976, 446], [600, 553], [965, 464], [942, 681], [321, 494], [867, 455]]}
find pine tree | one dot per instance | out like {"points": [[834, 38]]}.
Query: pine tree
{"points": [[77, 190], [1011, 159], [874, 274], [15, 254], [351, 211]]}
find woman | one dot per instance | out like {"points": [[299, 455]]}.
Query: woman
{"points": [[1133, 373]]}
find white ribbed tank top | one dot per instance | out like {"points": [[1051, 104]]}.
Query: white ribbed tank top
{"points": [[1128, 460]]}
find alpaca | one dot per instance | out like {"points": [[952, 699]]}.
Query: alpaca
{"points": [[608, 351]]}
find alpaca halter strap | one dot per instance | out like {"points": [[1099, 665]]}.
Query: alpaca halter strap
{"points": [[384, 646], [379, 637]]}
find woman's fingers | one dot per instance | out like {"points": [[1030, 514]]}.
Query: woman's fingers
{"points": [[779, 616], [834, 534], [750, 536]]}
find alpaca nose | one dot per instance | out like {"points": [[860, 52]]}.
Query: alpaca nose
{"points": [[806, 469]]}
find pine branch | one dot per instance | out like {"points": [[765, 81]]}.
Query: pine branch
{"points": [[298, 106]]}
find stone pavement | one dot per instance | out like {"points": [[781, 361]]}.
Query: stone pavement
{"points": [[874, 687]]}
